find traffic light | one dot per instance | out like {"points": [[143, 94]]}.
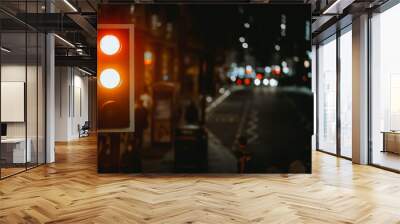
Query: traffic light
{"points": [[115, 76], [247, 81]]}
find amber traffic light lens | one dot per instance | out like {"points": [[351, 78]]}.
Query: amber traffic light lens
{"points": [[109, 44], [110, 78]]}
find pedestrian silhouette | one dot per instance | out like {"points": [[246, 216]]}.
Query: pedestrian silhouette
{"points": [[243, 155], [192, 113], [141, 123]]}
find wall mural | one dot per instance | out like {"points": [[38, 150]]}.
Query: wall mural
{"points": [[204, 88]]}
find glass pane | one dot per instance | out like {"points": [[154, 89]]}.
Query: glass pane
{"points": [[346, 94], [13, 86], [41, 98], [22, 89], [327, 97], [31, 98], [386, 89], [32, 86]]}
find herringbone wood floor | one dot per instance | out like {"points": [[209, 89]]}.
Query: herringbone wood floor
{"points": [[70, 191]]}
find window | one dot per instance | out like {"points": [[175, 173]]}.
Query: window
{"points": [[385, 89], [327, 96], [346, 93]]}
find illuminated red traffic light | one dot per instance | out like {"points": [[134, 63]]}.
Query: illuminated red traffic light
{"points": [[276, 70]]}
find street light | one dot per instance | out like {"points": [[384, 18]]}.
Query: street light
{"points": [[306, 64], [267, 69], [273, 82], [265, 82], [285, 70]]}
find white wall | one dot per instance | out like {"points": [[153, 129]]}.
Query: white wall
{"points": [[61, 103], [33, 127], [12, 73], [79, 112], [71, 102]]}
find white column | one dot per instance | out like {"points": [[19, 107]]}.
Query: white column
{"points": [[360, 89], [50, 99]]}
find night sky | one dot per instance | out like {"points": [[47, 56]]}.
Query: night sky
{"points": [[220, 26]]}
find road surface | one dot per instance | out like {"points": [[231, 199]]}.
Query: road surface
{"points": [[277, 123]]}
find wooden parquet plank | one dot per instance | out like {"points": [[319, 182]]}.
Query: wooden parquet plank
{"points": [[71, 191]]}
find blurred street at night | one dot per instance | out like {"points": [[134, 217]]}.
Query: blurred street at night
{"points": [[222, 88]]}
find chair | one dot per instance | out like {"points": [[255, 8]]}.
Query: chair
{"points": [[84, 130]]}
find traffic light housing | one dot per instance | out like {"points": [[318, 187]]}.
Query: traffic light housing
{"points": [[115, 94]]}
